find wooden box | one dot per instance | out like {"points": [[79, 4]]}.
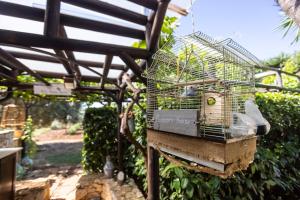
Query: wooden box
{"points": [[218, 158]]}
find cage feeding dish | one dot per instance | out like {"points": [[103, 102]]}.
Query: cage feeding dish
{"points": [[198, 88]]}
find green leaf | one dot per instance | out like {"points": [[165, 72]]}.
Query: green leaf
{"points": [[184, 183], [178, 172], [190, 191]]}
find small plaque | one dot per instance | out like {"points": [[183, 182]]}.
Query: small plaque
{"points": [[183, 122], [53, 89]]}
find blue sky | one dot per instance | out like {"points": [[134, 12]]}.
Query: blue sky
{"points": [[251, 23]]}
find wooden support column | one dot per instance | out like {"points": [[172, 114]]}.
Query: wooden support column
{"points": [[157, 24], [120, 137], [106, 67], [153, 173], [52, 18]]}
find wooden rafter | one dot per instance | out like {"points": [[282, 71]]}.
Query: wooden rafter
{"points": [[157, 25], [35, 40], [64, 62], [52, 18], [106, 67], [109, 9], [37, 14], [133, 66], [58, 75], [70, 55], [18, 65], [151, 4], [7, 74], [37, 57]]}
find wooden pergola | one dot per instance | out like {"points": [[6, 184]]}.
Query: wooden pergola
{"points": [[33, 47], [55, 37]]}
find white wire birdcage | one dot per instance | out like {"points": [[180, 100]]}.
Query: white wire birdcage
{"points": [[198, 86]]}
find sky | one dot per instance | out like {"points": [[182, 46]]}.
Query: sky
{"points": [[250, 23], [253, 24]]}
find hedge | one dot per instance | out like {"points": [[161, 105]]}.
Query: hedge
{"points": [[274, 174]]}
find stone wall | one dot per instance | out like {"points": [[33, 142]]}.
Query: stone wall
{"points": [[6, 138], [38, 189], [95, 186]]}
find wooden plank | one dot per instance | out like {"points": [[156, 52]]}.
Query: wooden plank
{"points": [[35, 40], [106, 67], [109, 9], [25, 12], [225, 153], [52, 18], [54, 89]]}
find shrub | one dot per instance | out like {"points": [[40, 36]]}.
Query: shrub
{"points": [[100, 137], [56, 125], [72, 130], [30, 146], [274, 174]]}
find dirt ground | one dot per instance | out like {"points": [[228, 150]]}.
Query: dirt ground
{"points": [[58, 159]]}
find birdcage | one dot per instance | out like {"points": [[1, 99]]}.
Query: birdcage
{"points": [[198, 86]]}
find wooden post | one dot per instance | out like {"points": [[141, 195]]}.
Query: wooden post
{"points": [[120, 138], [153, 174], [52, 18]]}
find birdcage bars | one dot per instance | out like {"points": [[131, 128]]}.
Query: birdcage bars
{"points": [[200, 74]]}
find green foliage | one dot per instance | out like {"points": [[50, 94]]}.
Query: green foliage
{"points": [[288, 25], [100, 134], [56, 125], [31, 146], [288, 63], [274, 174], [74, 128]]}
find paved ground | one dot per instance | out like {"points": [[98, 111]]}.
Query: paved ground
{"points": [[58, 159]]}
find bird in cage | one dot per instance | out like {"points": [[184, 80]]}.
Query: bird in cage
{"points": [[189, 91]]}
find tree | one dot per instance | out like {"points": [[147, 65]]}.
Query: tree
{"points": [[292, 9], [292, 19]]}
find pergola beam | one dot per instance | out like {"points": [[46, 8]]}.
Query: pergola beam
{"points": [[109, 9], [151, 4], [157, 25], [58, 75], [37, 57], [52, 18], [71, 57], [35, 40], [7, 74], [64, 62], [18, 65], [106, 67], [36, 14], [130, 62]]}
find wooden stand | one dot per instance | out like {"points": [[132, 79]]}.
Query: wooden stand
{"points": [[221, 159]]}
